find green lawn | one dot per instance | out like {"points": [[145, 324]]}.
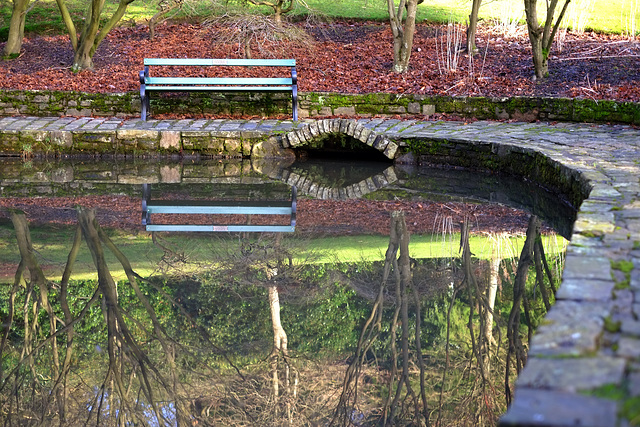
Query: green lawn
{"points": [[52, 245], [614, 16]]}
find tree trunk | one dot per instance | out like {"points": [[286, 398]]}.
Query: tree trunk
{"points": [[83, 59], [541, 37], [473, 26], [90, 38], [403, 31], [16, 29]]}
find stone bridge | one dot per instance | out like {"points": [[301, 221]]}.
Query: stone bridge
{"points": [[584, 360]]}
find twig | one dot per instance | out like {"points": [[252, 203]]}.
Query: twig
{"points": [[597, 57]]}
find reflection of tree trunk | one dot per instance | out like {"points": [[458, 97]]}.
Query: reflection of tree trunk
{"points": [[492, 290], [516, 348], [279, 336], [280, 351], [401, 403]]}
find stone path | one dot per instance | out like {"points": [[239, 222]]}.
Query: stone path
{"points": [[584, 360]]}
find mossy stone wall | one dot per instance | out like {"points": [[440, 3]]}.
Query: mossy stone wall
{"points": [[317, 104]]}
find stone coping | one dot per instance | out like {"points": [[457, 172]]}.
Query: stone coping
{"points": [[584, 360]]}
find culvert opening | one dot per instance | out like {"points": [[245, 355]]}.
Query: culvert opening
{"points": [[341, 147]]}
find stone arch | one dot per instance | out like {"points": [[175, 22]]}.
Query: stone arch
{"points": [[307, 132], [307, 185]]}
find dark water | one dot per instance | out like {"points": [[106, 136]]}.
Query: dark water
{"points": [[222, 328]]}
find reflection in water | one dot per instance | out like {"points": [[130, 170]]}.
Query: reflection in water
{"points": [[120, 328]]}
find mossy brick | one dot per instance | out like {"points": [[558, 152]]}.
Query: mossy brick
{"points": [[380, 143], [170, 141], [344, 124], [357, 131], [232, 147], [351, 127], [314, 129], [307, 133], [247, 146], [391, 150], [293, 139], [135, 134], [321, 128], [94, 142], [372, 137]]}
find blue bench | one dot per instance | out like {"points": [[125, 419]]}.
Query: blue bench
{"points": [[150, 84], [180, 207]]}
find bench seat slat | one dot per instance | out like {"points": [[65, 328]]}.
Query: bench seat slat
{"points": [[255, 81], [224, 203], [203, 62], [232, 210], [219, 88], [230, 228]]}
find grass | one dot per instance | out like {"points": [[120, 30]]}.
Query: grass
{"points": [[600, 16], [52, 245]]}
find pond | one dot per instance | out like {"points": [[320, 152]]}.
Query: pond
{"points": [[401, 295]]}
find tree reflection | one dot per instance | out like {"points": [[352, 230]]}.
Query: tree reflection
{"points": [[256, 336]]}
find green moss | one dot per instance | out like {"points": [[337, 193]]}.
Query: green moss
{"points": [[622, 265], [631, 410], [591, 234], [611, 326], [625, 284], [607, 391]]}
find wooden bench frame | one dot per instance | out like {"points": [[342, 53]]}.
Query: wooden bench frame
{"points": [[150, 84], [150, 206]]}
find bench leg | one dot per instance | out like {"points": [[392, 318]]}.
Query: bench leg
{"points": [[294, 95], [144, 101]]}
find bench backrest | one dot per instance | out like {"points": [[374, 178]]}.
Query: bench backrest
{"points": [[213, 207], [203, 62]]}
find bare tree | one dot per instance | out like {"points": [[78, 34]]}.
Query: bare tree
{"points": [[403, 29], [167, 10], [541, 36], [280, 7], [16, 28], [250, 31], [472, 27], [85, 45]]}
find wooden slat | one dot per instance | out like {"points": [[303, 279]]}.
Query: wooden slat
{"points": [[219, 88], [218, 228], [232, 203], [220, 61], [213, 210], [254, 81]]}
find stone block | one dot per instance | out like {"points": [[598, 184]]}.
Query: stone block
{"points": [[583, 267], [170, 140], [413, 108], [344, 111], [572, 375], [571, 328], [170, 174], [585, 290], [553, 408], [629, 347]]}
